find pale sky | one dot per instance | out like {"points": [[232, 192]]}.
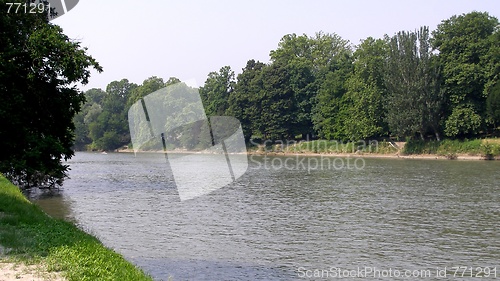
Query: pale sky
{"points": [[188, 39]]}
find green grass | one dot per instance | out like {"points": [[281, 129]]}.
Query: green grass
{"points": [[33, 237], [487, 148], [450, 148]]}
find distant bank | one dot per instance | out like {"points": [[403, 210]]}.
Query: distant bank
{"points": [[475, 149]]}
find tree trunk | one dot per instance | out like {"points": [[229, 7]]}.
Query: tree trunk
{"points": [[438, 138]]}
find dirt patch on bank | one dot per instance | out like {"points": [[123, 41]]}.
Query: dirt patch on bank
{"points": [[12, 271]]}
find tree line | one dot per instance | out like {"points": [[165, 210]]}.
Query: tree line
{"points": [[415, 84]]}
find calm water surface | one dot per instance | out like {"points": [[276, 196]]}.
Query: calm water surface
{"points": [[275, 224]]}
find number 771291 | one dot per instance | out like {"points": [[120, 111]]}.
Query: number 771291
{"points": [[31, 8], [464, 271]]}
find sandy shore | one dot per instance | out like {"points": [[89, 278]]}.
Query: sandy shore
{"points": [[15, 271], [376, 155], [345, 155], [10, 271]]}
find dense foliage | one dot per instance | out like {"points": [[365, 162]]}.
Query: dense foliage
{"points": [[414, 101], [415, 84], [468, 54], [38, 100], [102, 123]]}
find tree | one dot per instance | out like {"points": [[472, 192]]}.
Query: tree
{"points": [[330, 110], [38, 68], [103, 122], [319, 50], [463, 121], [307, 62], [492, 87], [110, 130], [414, 101], [172, 81], [216, 91], [366, 91], [263, 101], [244, 101], [147, 87], [464, 43], [89, 113], [493, 104], [304, 88], [93, 96], [276, 103]]}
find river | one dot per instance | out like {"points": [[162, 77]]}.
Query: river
{"points": [[386, 216]]}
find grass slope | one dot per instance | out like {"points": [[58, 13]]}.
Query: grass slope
{"points": [[486, 148], [32, 236]]}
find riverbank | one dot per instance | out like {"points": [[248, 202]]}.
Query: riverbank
{"points": [[35, 246], [477, 149], [15, 271], [377, 155]]}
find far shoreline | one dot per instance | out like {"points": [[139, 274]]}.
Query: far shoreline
{"points": [[460, 157]]}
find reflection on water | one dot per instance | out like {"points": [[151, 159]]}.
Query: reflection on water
{"points": [[393, 214], [52, 202]]}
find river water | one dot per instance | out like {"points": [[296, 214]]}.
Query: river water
{"points": [[389, 216]]}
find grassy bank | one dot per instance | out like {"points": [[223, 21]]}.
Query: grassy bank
{"points": [[451, 149], [31, 236], [486, 148]]}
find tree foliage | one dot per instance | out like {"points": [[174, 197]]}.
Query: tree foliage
{"points": [[366, 92], [310, 63], [38, 68], [414, 101], [493, 104], [330, 111], [465, 43], [102, 124], [215, 93], [244, 100], [149, 85], [409, 85]]}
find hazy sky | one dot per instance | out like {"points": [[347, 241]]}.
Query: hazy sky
{"points": [[190, 38]]}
